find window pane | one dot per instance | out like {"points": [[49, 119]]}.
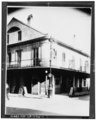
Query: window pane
{"points": [[19, 35]]}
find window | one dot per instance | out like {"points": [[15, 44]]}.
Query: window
{"points": [[7, 38], [63, 57], [72, 63], [19, 56], [80, 65], [9, 55], [19, 35], [86, 66], [35, 56]]}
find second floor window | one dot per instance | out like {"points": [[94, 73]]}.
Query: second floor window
{"points": [[19, 35], [86, 66], [7, 38], [72, 63], [80, 65], [19, 56], [63, 57], [35, 56], [9, 56]]}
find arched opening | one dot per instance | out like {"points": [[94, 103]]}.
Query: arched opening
{"points": [[13, 29]]}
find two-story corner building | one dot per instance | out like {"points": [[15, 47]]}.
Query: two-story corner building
{"points": [[33, 57]]}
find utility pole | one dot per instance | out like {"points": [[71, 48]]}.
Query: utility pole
{"points": [[50, 74]]}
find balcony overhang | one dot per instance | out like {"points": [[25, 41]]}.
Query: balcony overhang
{"points": [[55, 71]]}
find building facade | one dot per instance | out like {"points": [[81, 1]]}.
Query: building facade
{"points": [[38, 63]]}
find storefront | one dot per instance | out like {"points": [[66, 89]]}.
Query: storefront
{"points": [[37, 81]]}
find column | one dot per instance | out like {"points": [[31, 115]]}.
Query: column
{"points": [[78, 83], [82, 83], [73, 82], [13, 85], [74, 85], [31, 57], [53, 82], [88, 83], [39, 87], [46, 85], [31, 87], [21, 91]]}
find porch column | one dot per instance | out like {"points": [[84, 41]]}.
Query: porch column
{"points": [[39, 88], [78, 83], [88, 83], [13, 85], [21, 85], [73, 82], [45, 84], [82, 82], [31, 87], [53, 82]]}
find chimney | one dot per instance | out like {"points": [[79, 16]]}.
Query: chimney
{"points": [[29, 18]]}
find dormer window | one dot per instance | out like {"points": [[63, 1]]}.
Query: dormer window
{"points": [[19, 36], [14, 32]]}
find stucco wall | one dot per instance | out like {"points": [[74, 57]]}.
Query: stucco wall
{"points": [[69, 55], [27, 55], [45, 53]]}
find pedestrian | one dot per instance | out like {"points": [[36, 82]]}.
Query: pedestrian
{"points": [[7, 91]]}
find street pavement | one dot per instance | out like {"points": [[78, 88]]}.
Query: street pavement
{"points": [[60, 105]]}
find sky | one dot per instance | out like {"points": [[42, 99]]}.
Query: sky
{"points": [[66, 24]]}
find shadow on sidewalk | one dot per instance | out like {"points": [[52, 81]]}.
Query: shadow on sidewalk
{"points": [[20, 111]]}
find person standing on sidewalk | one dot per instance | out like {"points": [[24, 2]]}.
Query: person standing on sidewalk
{"points": [[7, 91]]}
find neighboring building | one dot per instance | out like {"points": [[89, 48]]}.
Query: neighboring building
{"points": [[32, 56]]}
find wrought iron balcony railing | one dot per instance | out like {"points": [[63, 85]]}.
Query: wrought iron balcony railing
{"points": [[39, 62], [24, 63]]}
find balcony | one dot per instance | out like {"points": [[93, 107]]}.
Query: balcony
{"points": [[28, 63], [24, 63], [42, 63]]}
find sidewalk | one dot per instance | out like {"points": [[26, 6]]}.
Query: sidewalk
{"points": [[57, 105]]}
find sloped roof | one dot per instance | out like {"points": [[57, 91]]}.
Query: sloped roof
{"points": [[45, 36], [25, 25]]}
